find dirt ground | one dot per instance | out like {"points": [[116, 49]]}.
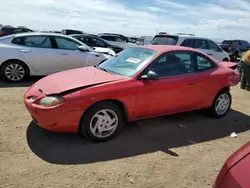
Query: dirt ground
{"points": [[184, 150]]}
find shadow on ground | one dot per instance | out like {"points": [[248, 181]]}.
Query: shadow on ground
{"points": [[142, 137], [26, 83]]}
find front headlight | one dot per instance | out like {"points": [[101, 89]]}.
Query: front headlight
{"points": [[50, 101]]}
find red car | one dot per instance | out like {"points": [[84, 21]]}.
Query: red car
{"points": [[140, 82], [236, 171]]}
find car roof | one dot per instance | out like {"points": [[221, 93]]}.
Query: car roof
{"points": [[39, 33], [168, 48], [182, 36]]}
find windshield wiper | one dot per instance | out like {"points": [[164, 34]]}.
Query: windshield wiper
{"points": [[106, 70]]}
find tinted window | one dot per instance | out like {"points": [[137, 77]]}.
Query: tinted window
{"points": [[172, 64], [200, 44], [227, 42], [236, 42], [83, 39], [66, 44], [109, 38], [118, 39], [17, 40], [96, 42], [203, 63], [37, 41], [165, 40], [213, 46], [244, 44], [187, 43]]}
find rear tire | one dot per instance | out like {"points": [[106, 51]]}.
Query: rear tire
{"points": [[101, 122], [221, 104], [14, 71]]}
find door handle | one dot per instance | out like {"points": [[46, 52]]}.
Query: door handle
{"points": [[25, 51], [210, 54], [63, 53], [191, 83]]}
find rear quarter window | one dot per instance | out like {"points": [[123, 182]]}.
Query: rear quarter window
{"points": [[165, 40], [17, 40]]}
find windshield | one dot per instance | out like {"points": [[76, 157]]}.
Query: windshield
{"points": [[128, 62], [165, 40]]}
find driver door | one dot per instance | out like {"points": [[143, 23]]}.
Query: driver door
{"points": [[175, 89]]}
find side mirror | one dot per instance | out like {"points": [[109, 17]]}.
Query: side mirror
{"points": [[150, 76], [83, 48]]}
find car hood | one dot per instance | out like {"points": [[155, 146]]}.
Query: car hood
{"points": [[74, 79]]}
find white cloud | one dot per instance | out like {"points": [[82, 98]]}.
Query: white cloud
{"points": [[219, 19]]}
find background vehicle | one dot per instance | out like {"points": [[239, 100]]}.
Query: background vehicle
{"points": [[9, 30], [42, 54], [96, 41], [205, 45], [140, 82], [71, 32], [235, 48], [117, 40], [236, 170], [136, 40]]}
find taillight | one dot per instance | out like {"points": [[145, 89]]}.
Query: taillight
{"points": [[229, 48], [1, 33]]}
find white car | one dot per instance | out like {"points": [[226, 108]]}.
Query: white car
{"points": [[205, 45], [38, 54]]}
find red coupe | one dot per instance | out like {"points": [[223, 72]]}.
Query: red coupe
{"points": [[236, 171], [140, 82]]}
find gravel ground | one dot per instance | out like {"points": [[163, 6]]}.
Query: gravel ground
{"points": [[183, 150]]}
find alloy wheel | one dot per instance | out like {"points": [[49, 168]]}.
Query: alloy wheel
{"points": [[14, 72]]}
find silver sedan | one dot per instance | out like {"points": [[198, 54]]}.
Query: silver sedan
{"points": [[37, 54]]}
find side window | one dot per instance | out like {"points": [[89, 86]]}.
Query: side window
{"points": [[66, 44], [236, 42], [96, 42], [84, 40], [37, 41], [200, 44], [244, 44], [18, 40], [187, 43], [203, 63], [213, 46], [109, 38], [119, 39], [172, 64]]}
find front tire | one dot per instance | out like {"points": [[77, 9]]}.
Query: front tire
{"points": [[14, 71], [221, 104], [101, 122]]}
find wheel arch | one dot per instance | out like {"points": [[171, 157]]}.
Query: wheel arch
{"points": [[117, 102], [9, 60]]}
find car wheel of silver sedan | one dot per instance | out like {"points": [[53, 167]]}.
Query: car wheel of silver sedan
{"points": [[102, 121], [14, 71]]}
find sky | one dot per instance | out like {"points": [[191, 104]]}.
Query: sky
{"points": [[217, 19]]}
